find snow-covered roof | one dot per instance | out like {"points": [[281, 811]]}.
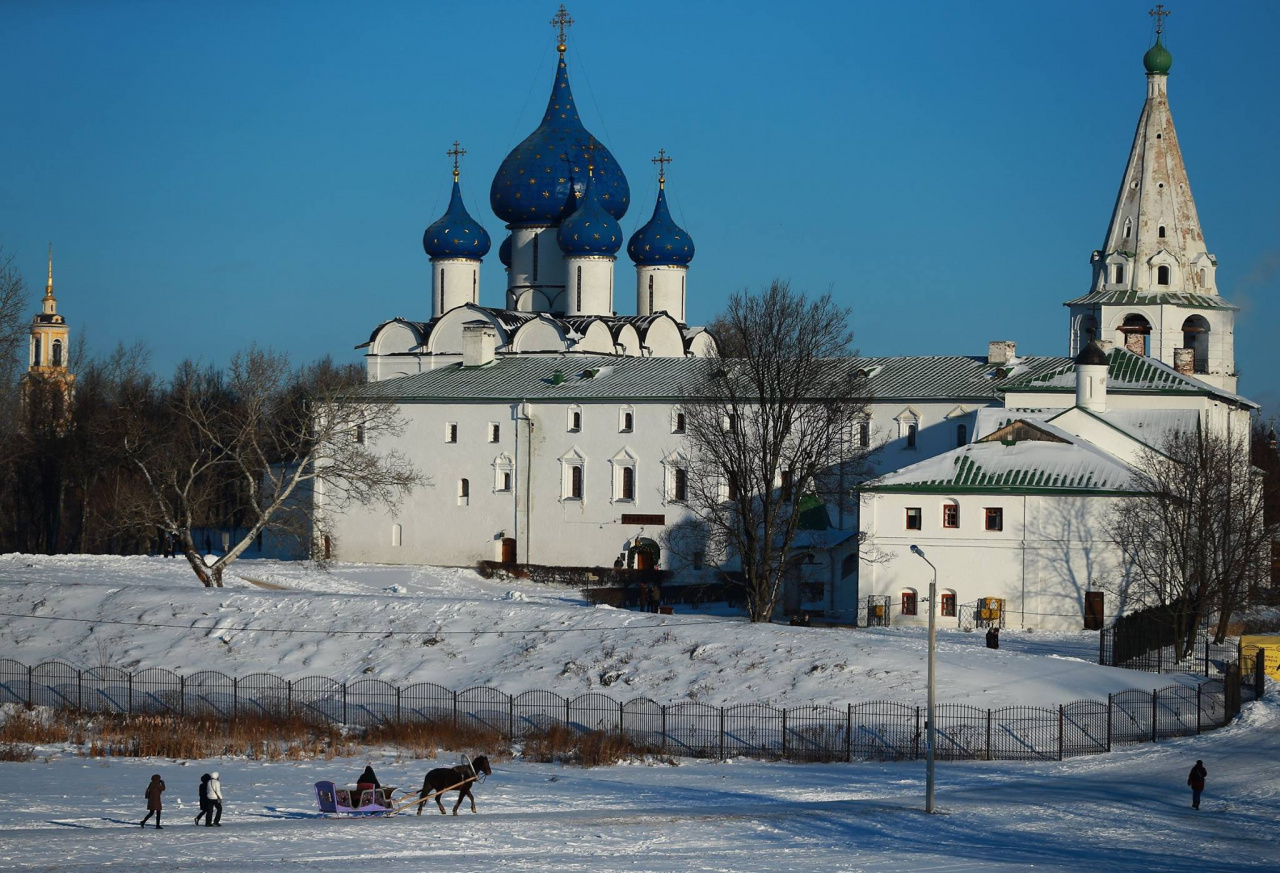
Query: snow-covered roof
{"points": [[1056, 462]]}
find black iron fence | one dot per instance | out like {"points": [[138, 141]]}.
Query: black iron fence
{"points": [[877, 731], [1118, 647]]}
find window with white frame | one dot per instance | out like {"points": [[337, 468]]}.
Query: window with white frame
{"points": [[495, 432], [677, 477], [450, 431], [574, 422], [396, 534], [572, 475], [908, 426], [677, 421], [626, 419], [624, 475], [502, 468], [464, 492]]}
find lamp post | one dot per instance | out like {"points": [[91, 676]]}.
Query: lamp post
{"points": [[929, 722]]}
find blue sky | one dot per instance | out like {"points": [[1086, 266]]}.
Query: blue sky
{"points": [[216, 174]]}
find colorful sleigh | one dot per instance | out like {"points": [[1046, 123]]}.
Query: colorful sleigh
{"points": [[354, 801]]}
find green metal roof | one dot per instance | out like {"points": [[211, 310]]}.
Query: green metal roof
{"points": [[1164, 298]]}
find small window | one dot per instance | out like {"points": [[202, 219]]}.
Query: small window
{"points": [[575, 482], [1161, 232], [504, 480], [948, 604], [495, 431], [628, 483], [786, 486], [908, 603], [579, 288], [1128, 230], [951, 515], [680, 485], [396, 533], [535, 257], [731, 422], [732, 486], [864, 434], [1119, 273], [677, 425], [848, 565], [57, 353], [962, 435], [995, 518], [1162, 275], [627, 424], [914, 517], [464, 492], [451, 432], [359, 433], [575, 419], [911, 436]]}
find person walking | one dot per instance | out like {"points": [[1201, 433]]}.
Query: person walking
{"points": [[213, 818], [204, 798], [993, 637], [1196, 780], [152, 794]]}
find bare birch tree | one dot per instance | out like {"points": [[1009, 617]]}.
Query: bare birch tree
{"points": [[279, 431], [772, 427], [1194, 535]]}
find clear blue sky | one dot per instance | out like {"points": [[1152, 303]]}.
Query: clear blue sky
{"points": [[213, 174]]}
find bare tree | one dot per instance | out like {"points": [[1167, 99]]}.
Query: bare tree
{"points": [[278, 431], [773, 436], [13, 300], [1194, 534]]}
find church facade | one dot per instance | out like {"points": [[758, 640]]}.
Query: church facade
{"points": [[552, 431]]}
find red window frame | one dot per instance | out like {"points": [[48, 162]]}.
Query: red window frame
{"points": [[996, 514], [948, 604], [950, 515], [909, 603]]}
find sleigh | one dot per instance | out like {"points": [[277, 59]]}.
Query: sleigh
{"points": [[354, 801]]}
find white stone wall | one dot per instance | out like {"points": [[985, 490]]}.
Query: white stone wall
{"points": [[661, 288]]}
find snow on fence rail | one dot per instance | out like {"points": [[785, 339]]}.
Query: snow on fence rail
{"points": [[879, 731]]}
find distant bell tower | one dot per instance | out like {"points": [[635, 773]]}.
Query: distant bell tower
{"points": [[1155, 288], [48, 365]]}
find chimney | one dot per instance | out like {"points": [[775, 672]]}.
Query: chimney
{"points": [[479, 342], [1184, 361], [1001, 352]]}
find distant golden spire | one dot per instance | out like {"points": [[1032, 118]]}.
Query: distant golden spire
{"points": [[562, 22], [48, 288], [456, 152], [662, 160]]}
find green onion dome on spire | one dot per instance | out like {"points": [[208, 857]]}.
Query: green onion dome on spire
{"points": [[1157, 60]]}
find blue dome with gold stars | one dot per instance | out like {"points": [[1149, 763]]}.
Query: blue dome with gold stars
{"points": [[590, 230], [456, 234], [661, 241], [504, 251], [535, 184]]}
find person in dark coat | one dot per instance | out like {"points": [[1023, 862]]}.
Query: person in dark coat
{"points": [[152, 794], [1196, 780], [204, 798], [367, 779], [993, 637]]}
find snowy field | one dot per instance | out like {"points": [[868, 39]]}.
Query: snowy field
{"points": [[1126, 811], [453, 628]]}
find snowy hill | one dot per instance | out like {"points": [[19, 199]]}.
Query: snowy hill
{"points": [[449, 626]]}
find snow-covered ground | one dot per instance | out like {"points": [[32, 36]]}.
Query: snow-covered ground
{"points": [[1126, 811], [453, 628]]}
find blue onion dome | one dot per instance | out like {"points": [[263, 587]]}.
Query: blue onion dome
{"points": [[456, 234], [535, 184], [504, 251], [591, 229], [661, 240]]}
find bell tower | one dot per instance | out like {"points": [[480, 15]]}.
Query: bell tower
{"points": [[47, 360]]}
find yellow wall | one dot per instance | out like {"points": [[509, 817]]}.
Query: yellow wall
{"points": [[1269, 642]]}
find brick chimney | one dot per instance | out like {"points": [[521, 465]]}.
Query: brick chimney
{"points": [[1184, 361], [1001, 352]]}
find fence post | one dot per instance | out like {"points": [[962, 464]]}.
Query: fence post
{"points": [[79, 690], [235, 697], [915, 741], [848, 733], [1155, 712], [1206, 658], [664, 730], [455, 707], [621, 732], [722, 733], [784, 732], [398, 718], [988, 734], [1102, 647], [130, 693], [566, 711], [288, 699], [1061, 725], [344, 703], [1199, 705], [1110, 705]]}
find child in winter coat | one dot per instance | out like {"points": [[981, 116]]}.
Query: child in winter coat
{"points": [[214, 794], [204, 797], [152, 794]]}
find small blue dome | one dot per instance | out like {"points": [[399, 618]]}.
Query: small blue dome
{"points": [[661, 240], [504, 251], [590, 230], [535, 184], [456, 234]]}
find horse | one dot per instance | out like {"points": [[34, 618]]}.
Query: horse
{"points": [[443, 779]]}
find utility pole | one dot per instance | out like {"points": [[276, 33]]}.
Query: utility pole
{"points": [[930, 719]]}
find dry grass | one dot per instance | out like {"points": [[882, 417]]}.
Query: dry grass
{"points": [[16, 752], [421, 739], [564, 745]]}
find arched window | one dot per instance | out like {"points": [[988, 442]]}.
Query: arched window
{"points": [[628, 483], [651, 294], [1162, 275], [680, 485], [1119, 273], [1135, 332], [36, 356], [535, 257], [864, 434], [442, 288], [1195, 335], [911, 435], [57, 353], [464, 492], [575, 482], [396, 533], [1128, 227], [908, 602], [948, 604], [578, 283], [1161, 232], [962, 435], [475, 284]]}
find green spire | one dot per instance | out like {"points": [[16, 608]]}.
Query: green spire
{"points": [[1157, 60]]}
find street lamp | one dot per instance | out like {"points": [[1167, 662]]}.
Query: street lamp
{"points": [[929, 723]]}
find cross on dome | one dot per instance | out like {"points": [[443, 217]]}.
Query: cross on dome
{"points": [[661, 160], [562, 22], [456, 152], [1159, 14]]}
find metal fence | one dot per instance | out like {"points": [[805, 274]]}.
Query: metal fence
{"points": [[1118, 648], [878, 731]]}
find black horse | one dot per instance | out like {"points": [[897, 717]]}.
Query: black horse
{"points": [[444, 779]]}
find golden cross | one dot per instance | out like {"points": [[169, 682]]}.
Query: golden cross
{"points": [[1159, 13], [662, 160], [562, 21], [456, 152]]}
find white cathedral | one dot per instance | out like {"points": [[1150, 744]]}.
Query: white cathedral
{"points": [[552, 432]]}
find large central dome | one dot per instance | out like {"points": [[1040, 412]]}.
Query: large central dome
{"points": [[535, 184]]}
